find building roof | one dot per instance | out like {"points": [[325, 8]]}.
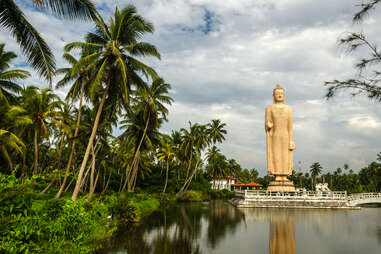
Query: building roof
{"points": [[252, 184]]}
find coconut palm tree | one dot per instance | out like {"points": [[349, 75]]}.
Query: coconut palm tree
{"points": [[166, 153], [79, 77], [37, 51], [315, 170], [151, 111], [216, 131], [8, 87], [9, 141], [211, 158], [111, 50], [41, 109], [198, 137]]}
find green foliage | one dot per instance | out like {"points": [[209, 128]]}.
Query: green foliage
{"points": [[221, 194], [33, 223], [190, 196]]}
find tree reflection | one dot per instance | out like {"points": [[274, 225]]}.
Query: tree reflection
{"points": [[223, 220], [178, 230]]}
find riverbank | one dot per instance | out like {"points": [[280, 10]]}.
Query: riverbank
{"points": [[35, 223]]}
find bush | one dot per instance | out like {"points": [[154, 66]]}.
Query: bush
{"points": [[190, 196], [221, 194]]}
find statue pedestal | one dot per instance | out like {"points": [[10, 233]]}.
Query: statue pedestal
{"points": [[282, 184]]}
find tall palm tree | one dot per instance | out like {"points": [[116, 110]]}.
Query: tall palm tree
{"points": [[198, 136], [32, 44], [166, 153], [41, 108], [315, 170], [8, 87], [80, 79], [211, 158], [151, 107], [188, 138], [216, 131], [111, 50]]}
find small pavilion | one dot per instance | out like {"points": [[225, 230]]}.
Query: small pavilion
{"points": [[246, 186]]}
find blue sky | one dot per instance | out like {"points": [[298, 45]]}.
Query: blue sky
{"points": [[223, 59]]}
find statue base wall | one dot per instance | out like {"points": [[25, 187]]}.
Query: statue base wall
{"points": [[282, 184]]}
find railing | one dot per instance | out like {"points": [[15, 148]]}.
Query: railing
{"points": [[360, 196], [253, 194]]}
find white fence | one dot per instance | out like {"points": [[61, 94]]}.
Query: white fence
{"points": [[361, 196], [260, 194]]}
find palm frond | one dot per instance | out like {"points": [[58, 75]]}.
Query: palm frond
{"points": [[32, 44]]}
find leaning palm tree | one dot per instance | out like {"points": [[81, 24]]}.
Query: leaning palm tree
{"points": [[112, 49], [79, 77], [38, 53], [8, 86], [149, 112]]}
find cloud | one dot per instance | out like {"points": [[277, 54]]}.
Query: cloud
{"points": [[223, 59]]}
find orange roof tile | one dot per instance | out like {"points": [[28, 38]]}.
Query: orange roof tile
{"points": [[252, 184]]}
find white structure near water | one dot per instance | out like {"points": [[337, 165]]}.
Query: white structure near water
{"points": [[221, 183]]}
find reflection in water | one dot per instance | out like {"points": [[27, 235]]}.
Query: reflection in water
{"points": [[282, 235], [178, 230], [218, 227]]}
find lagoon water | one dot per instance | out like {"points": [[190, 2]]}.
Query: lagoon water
{"points": [[218, 227]]}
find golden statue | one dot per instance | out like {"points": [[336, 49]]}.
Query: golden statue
{"points": [[279, 142]]}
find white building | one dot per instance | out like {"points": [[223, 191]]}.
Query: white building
{"points": [[221, 183]]}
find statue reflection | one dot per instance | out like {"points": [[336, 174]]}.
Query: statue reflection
{"points": [[282, 235]]}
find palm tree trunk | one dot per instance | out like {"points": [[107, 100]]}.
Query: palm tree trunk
{"points": [[166, 179], [35, 163], [58, 165], [136, 155], [60, 151], [59, 193], [91, 190], [188, 180], [89, 145], [190, 160], [108, 182]]}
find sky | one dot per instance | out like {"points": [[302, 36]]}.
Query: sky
{"points": [[223, 59]]}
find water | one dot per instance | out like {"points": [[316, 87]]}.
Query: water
{"points": [[218, 227]]}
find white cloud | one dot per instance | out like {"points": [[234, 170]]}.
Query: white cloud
{"points": [[225, 66]]}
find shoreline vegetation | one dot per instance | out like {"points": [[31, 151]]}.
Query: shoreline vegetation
{"points": [[67, 181], [34, 222]]}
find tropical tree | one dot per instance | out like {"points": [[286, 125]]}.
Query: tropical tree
{"points": [[368, 79], [8, 86], [197, 140], [111, 50], [216, 131], [38, 53], [79, 77], [38, 112], [315, 170], [150, 107], [9, 142], [166, 153], [211, 155]]}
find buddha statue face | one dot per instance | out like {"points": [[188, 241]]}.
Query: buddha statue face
{"points": [[278, 95]]}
